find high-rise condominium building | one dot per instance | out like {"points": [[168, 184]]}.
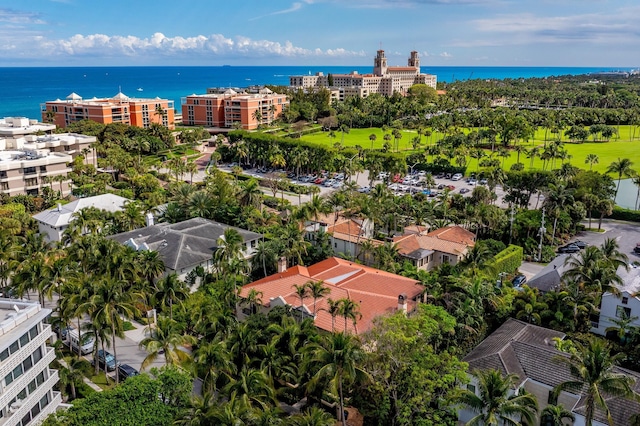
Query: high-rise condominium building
{"points": [[26, 381], [140, 112]]}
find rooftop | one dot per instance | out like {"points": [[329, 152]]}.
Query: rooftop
{"points": [[19, 126], [14, 312], [62, 214], [183, 244], [375, 291]]}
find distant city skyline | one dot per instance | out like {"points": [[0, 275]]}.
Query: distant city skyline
{"points": [[320, 32]]}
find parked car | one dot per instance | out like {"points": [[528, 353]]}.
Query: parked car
{"points": [[518, 280], [580, 244], [482, 182], [125, 371], [329, 182], [450, 187], [569, 248], [473, 181], [337, 184], [107, 361], [365, 189], [636, 249], [441, 186], [440, 176], [457, 176], [464, 190]]}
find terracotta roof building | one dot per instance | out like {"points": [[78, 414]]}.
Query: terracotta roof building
{"points": [[428, 250], [384, 80], [376, 292]]}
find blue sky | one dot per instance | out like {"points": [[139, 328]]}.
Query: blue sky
{"points": [[319, 32]]}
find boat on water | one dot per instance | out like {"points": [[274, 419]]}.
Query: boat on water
{"points": [[139, 89]]}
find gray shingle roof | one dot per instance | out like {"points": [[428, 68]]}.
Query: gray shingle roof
{"points": [[183, 244], [550, 276], [528, 351]]}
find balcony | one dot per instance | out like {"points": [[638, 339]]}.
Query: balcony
{"points": [[16, 414]]}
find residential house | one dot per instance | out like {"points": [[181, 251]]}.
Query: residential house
{"points": [[184, 246], [426, 250], [52, 223], [528, 351], [347, 235], [376, 292], [624, 306], [550, 277]]}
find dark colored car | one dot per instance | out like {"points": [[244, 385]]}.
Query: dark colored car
{"points": [[569, 248], [518, 280], [464, 190], [636, 249], [106, 360], [580, 244], [125, 371]]}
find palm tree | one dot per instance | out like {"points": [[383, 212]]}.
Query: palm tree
{"points": [[349, 310], [372, 138], [71, 376], [622, 167], [112, 302], [302, 291], [230, 247], [253, 387], [170, 290], [316, 290], [313, 416], [250, 194], [333, 309], [557, 198], [591, 159], [593, 368], [555, 415], [495, 404], [166, 337], [336, 359]]}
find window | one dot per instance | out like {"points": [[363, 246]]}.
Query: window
{"points": [[29, 170], [37, 355], [44, 401], [625, 300], [33, 332], [552, 399], [24, 339], [446, 259], [27, 364], [622, 312], [43, 169], [4, 354], [471, 388], [14, 347], [3, 174]]}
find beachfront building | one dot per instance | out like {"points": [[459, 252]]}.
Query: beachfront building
{"points": [[230, 109], [31, 157], [139, 112], [26, 381], [384, 80]]}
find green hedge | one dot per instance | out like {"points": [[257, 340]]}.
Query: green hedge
{"points": [[508, 260], [625, 214]]}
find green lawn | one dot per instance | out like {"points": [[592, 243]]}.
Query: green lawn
{"points": [[607, 152]]}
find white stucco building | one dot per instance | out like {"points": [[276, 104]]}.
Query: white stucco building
{"points": [[626, 305], [26, 381]]}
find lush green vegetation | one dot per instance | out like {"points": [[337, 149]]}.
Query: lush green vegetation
{"points": [[408, 366]]}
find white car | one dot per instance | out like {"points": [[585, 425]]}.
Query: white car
{"points": [[365, 189], [457, 176], [329, 182], [338, 184]]}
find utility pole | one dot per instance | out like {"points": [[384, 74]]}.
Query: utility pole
{"points": [[511, 220], [541, 231]]}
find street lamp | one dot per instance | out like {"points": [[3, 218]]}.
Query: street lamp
{"points": [[350, 160], [411, 181]]}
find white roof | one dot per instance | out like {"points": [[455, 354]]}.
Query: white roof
{"points": [[121, 97], [74, 96], [62, 215], [630, 278]]}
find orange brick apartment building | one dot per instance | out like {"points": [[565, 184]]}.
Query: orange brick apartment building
{"points": [[230, 109], [118, 109]]}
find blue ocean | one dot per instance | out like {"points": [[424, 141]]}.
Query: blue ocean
{"points": [[23, 90]]}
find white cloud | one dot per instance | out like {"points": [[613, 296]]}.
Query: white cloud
{"points": [[616, 26], [294, 8], [13, 17], [446, 55], [200, 46]]}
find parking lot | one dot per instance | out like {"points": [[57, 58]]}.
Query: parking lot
{"points": [[399, 185]]}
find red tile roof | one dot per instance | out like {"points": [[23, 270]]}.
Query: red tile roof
{"points": [[456, 234], [375, 291]]}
